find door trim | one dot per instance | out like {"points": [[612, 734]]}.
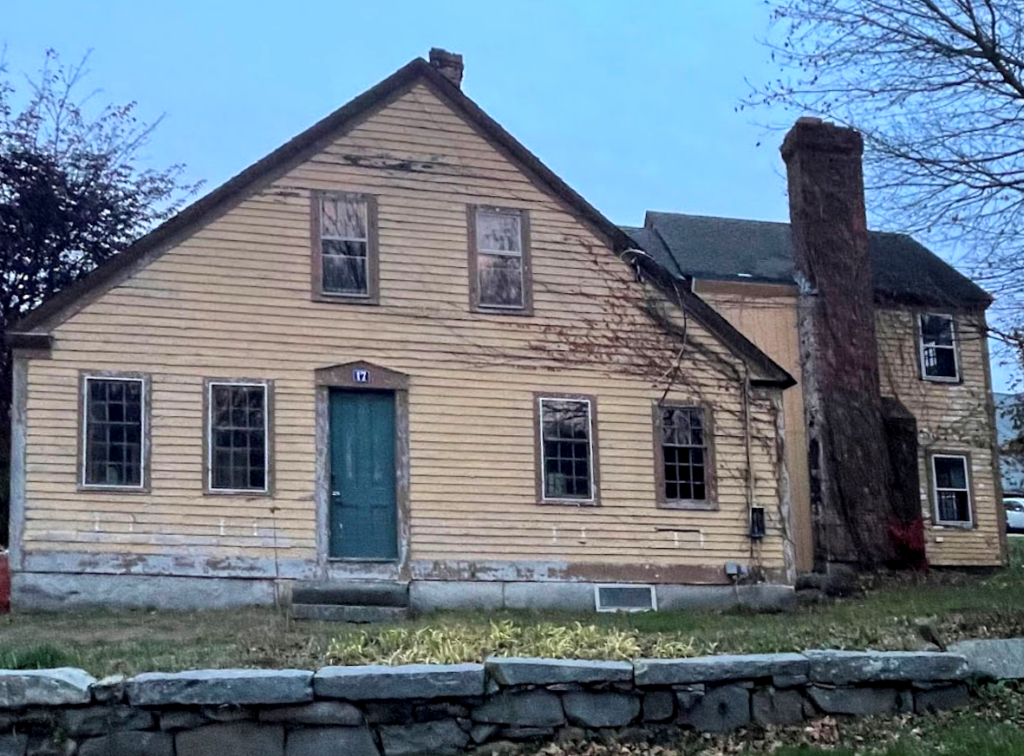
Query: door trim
{"points": [[361, 376]]}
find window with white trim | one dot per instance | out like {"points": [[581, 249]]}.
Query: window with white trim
{"points": [[237, 444], [500, 268], [951, 489], [567, 449], [113, 432], [938, 348]]}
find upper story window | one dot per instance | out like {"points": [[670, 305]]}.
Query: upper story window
{"points": [[567, 461], [951, 489], [939, 360], [114, 428], [499, 260], [683, 473], [238, 429], [345, 264]]}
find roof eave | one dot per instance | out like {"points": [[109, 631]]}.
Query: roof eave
{"points": [[28, 340], [768, 373]]}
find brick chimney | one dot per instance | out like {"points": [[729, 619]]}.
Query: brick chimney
{"points": [[448, 64], [851, 472]]}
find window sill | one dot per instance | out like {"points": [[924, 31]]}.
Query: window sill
{"points": [[242, 493], [353, 299], [954, 525], [569, 503], [937, 379], [83, 488], [690, 504], [514, 311]]}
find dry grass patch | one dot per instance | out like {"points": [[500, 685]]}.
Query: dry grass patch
{"points": [[955, 605]]}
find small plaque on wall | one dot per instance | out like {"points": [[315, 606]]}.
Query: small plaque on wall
{"points": [[361, 375]]}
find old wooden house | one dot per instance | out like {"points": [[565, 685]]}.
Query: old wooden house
{"points": [[400, 351]]}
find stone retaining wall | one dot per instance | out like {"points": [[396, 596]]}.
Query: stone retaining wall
{"points": [[449, 709]]}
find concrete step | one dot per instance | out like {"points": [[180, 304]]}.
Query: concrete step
{"points": [[352, 593], [348, 613]]}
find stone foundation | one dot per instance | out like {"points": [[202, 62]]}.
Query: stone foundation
{"points": [[61, 591], [452, 709]]}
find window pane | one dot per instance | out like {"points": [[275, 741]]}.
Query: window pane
{"points": [[343, 218], [501, 280], [498, 233], [344, 267], [113, 453], [238, 437], [953, 506], [939, 362], [950, 472], [937, 329], [565, 430]]}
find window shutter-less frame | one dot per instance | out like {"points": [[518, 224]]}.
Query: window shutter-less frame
{"points": [[938, 347], [493, 260], [684, 466], [567, 465], [338, 239], [952, 495], [238, 449], [114, 431]]}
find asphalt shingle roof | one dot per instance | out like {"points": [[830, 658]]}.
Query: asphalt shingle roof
{"points": [[759, 251]]}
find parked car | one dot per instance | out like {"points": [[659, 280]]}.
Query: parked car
{"points": [[1014, 515]]}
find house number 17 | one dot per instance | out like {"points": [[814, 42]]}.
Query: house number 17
{"points": [[361, 376]]}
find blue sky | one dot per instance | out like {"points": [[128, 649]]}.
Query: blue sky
{"points": [[633, 104]]}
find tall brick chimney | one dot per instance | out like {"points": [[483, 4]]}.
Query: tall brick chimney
{"points": [[448, 65], [851, 472]]}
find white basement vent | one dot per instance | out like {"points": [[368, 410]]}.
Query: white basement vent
{"points": [[625, 598]]}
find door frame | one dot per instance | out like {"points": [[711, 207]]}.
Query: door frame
{"points": [[361, 376]]}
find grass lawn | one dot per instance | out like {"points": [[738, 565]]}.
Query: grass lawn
{"points": [[955, 605]]}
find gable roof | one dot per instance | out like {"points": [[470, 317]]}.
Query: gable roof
{"points": [[32, 331], [295, 151], [757, 251]]}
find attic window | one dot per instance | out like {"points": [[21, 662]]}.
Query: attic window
{"points": [[345, 264], [499, 260], [938, 348]]}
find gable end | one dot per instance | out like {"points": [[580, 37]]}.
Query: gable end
{"points": [[142, 252]]}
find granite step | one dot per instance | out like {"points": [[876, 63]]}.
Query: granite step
{"points": [[352, 593], [349, 613]]}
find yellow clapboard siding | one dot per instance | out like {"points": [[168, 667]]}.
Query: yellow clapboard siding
{"points": [[233, 299], [954, 415]]}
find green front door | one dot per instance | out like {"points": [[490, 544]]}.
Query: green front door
{"points": [[363, 515]]}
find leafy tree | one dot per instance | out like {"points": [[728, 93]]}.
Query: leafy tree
{"points": [[72, 195], [937, 89]]}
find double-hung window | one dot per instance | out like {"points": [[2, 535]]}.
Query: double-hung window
{"points": [[939, 360], [114, 420], [237, 436], [567, 460], [951, 489], [345, 265], [499, 260], [683, 456]]}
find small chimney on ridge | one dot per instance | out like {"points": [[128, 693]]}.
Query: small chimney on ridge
{"points": [[448, 64]]}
